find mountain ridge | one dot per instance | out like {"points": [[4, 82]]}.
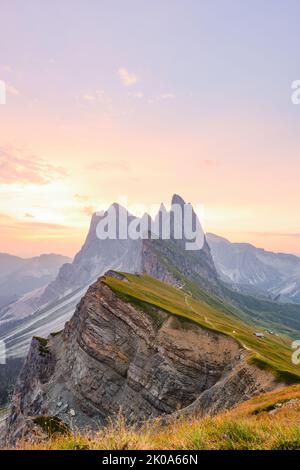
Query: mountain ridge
{"points": [[255, 270], [164, 259], [18, 275], [124, 351], [94, 258]]}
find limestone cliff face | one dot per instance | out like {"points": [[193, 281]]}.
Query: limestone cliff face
{"points": [[169, 260], [164, 260], [113, 357], [49, 308]]}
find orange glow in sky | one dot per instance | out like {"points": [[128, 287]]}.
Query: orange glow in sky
{"points": [[130, 107]]}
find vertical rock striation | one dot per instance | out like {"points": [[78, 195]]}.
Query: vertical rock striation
{"points": [[114, 357]]}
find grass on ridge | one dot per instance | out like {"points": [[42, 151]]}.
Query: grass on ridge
{"points": [[249, 426], [271, 352]]}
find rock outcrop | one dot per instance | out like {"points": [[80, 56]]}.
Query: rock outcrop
{"points": [[166, 259], [114, 357]]}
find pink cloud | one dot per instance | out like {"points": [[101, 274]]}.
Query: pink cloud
{"points": [[88, 210], [16, 168], [205, 163], [126, 77], [119, 165]]}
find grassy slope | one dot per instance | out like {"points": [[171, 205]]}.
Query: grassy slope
{"points": [[284, 318], [252, 425], [269, 421], [271, 352]]}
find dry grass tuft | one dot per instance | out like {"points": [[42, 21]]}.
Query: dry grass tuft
{"points": [[269, 421]]}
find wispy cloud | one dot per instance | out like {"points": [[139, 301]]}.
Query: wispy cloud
{"points": [[88, 97], [81, 197], [17, 225], [12, 90], [4, 217], [208, 163], [167, 96], [88, 210], [156, 99], [138, 94], [16, 167], [126, 77], [276, 234], [118, 165], [94, 96], [6, 68]]}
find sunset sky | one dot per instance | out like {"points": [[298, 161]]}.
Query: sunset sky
{"points": [[143, 99]]}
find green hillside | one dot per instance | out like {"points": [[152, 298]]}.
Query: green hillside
{"points": [[187, 268], [271, 352]]}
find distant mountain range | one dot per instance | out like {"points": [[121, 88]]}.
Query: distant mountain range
{"points": [[275, 276], [179, 333], [203, 271], [47, 309], [19, 276], [140, 347]]}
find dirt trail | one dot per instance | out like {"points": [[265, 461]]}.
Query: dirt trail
{"points": [[205, 317], [188, 304]]}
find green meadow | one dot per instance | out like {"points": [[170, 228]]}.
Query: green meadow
{"points": [[270, 352]]}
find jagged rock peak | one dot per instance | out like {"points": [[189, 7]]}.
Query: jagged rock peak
{"points": [[162, 208], [116, 356], [176, 199]]}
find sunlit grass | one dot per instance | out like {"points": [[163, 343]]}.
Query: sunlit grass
{"points": [[238, 429], [268, 421], [270, 352]]}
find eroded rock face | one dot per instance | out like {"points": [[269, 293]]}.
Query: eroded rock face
{"points": [[113, 357], [50, 307], [161, 259]]}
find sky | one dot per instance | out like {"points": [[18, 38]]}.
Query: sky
{"points": [[139, 100]]}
